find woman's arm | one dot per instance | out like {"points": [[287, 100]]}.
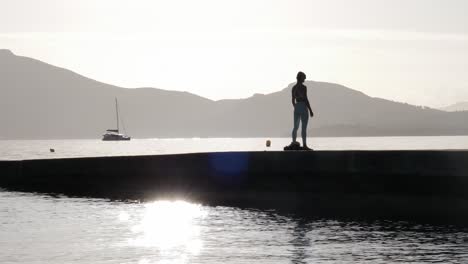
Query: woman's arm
{"points": [[307, 103], [292, 96]]}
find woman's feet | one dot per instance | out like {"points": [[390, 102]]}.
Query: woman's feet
{"points": [[296, 146], [305, 147]]}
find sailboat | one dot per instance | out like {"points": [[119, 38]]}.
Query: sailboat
{"points": [[113, 134]]}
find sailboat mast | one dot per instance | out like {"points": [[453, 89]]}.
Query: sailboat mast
{"points": [[117, 111]]}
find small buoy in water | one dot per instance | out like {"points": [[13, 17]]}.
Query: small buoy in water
{"points": [[52, 150], [268, 143]]}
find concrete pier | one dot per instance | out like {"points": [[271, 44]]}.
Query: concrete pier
{"points": [[429, 185]]}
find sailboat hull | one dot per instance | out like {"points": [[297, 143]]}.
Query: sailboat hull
{"points": [[115, 137]]}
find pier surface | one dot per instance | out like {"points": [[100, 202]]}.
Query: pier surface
{"points": [[383, 184]]}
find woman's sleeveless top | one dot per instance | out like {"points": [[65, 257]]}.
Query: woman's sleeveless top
{"points": [[299, 92]]}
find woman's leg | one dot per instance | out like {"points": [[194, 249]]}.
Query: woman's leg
{"points": [[304, 121], [296, 126]]}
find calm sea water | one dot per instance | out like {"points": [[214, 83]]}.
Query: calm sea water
{"points": [[36, 228], [36, 149]]}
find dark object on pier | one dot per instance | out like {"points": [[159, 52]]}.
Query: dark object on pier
{"points": [[293, 146]]}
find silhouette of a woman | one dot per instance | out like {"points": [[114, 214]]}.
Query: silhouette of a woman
{"points": [[301, 109]]}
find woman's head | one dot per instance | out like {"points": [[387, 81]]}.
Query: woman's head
{"points": [[300, 77]]}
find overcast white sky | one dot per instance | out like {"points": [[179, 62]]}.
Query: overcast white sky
{"points": [[413, 51]]}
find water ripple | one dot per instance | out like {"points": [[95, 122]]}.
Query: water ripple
{"points": [[45, 229]]}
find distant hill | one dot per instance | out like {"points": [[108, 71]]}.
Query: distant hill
{"points": [[461, 106], [41, 101]]}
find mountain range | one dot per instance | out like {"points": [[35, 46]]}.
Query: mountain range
{"points": [[460, 106], [42, 101]]}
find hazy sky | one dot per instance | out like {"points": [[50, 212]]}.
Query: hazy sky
{"points": [[413, 51]]}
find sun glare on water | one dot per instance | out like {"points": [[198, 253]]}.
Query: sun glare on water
{"points": [[170, 226]]}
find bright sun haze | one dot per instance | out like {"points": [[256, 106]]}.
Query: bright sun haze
{"points": [[410, 51]]}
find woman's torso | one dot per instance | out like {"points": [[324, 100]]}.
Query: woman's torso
{"points": [[299, 93]]}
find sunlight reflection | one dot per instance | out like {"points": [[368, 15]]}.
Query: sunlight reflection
{"points": [[124, 216], [143, 261], [170, 225]]}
